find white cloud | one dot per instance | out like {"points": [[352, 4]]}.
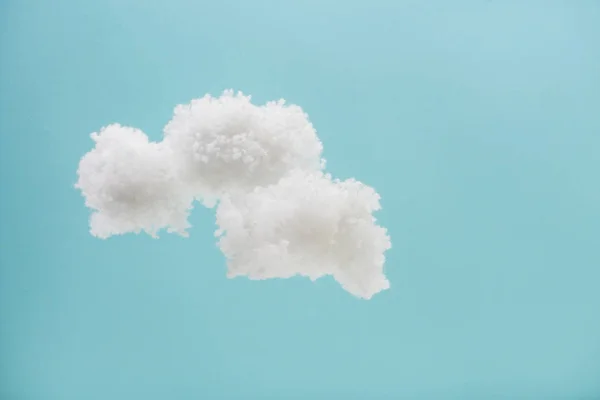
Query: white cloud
{"points": [[131, 185], [278, 214], [306, 224], [228, 144]]}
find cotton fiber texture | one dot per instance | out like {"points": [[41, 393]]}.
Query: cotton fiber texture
{"points": [[278, 213]]}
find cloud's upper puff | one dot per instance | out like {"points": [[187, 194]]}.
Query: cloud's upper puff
{"points": [[227, 144], [131, 184], [310, 225]]}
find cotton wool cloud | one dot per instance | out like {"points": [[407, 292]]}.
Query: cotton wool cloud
{"points": [[131, 185], [278, 213], [306, 224], [227, 144]]}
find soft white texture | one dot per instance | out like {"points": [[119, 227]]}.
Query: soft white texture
{"points": [[130, 183], [228, 144], [279, 215], [309, 225]]}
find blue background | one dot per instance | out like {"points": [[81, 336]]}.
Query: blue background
{"points": [[477, 121]]}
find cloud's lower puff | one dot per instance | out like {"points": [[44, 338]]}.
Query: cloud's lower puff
{"points": [[306, 224], [278, 214]]}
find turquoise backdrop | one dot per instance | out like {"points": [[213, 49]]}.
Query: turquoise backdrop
{"points": [[477, 121]]}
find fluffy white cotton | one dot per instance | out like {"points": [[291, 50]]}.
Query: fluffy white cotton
{"points": [[279, 215], [131, 185], [228, 144], [306, 224]]}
